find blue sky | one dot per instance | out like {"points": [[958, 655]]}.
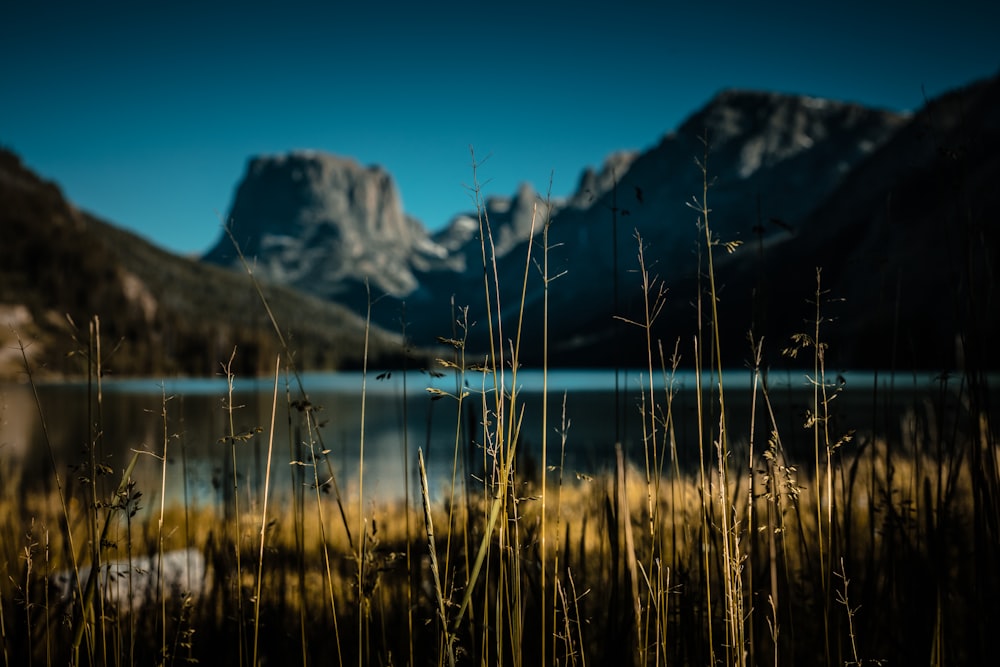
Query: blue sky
{"points": [[146, 113]]}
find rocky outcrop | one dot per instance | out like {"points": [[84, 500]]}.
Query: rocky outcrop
{"points": [[324, 224]]}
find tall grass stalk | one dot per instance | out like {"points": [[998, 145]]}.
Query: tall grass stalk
{"points": [[406, 499], [363, 602], [318, 486], [757, 350], [823, 475], [849, 612], [678, 526], [95, 419], [654, 299], [559, 593], [824, 446], [160, 594], [458, 366], [263, 512], [237, 529], [729, 530], [448, 636], [707, 521], [60, 490], [495, 362], [543, 536], [509, 494], [29, 560]]}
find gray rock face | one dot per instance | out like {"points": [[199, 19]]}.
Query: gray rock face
{"points": [[322, 223]]}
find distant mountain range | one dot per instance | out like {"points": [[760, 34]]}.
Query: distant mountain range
{"points": [[897, 210], [900, 213]]}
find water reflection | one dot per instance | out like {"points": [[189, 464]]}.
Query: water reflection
{"points": [[189, 417]]}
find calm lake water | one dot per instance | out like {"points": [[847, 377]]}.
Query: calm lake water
{"points": [[400, 416]]}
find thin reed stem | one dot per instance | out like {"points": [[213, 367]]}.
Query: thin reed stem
{"points": [[263, 512]]}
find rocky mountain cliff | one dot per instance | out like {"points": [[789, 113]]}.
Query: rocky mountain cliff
{"points": [[159, 314], [324, 224]]}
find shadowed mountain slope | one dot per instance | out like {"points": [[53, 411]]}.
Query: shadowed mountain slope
{"points": [[159, 314]]}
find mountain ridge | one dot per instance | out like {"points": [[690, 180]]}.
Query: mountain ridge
{"points": [[760, 138]]}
